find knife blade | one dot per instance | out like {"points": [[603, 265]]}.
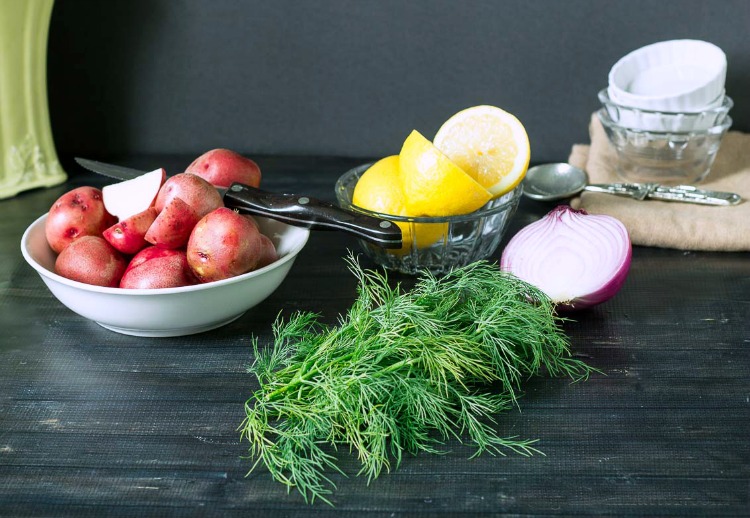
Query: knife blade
{"points": [[298, 210], [118, 172]]}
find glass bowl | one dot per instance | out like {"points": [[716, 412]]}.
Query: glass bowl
{"points": [[640, 119], [436, 244], [666, 157]]}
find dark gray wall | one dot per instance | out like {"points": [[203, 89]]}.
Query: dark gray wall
{"points": [[351, 78]]}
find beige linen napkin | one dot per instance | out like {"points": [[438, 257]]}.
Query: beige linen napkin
{"points": [[669, 224]]}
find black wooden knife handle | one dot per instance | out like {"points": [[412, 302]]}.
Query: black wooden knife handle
{"points": [[304, 211]]}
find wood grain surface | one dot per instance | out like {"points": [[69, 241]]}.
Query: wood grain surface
{"points": [[94, 423]]}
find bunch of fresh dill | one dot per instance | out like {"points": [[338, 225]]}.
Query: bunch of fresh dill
{"points": [[403, 371]]}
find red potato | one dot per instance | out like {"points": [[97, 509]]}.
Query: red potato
{"points": [[222, 167], [158, 268], [252, 220], [75, 214], [129, 236], [90, 259], [173, 225], [224, 244], [148, 253], [194, 190], [268, 253]]}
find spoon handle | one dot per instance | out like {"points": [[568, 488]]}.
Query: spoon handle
{"points": [[690, 194], [679, 193]]}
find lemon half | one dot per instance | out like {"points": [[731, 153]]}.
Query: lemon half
{"points": [[488, 143]]}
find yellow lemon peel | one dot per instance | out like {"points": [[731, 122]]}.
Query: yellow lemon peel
{"points": [[379, 190], [433, 184]]}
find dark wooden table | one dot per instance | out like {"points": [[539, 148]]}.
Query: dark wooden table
{"points": [[93, 423]]}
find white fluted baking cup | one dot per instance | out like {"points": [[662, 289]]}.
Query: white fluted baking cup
{"points": [[671, 76]]}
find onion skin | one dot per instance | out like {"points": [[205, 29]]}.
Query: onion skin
{"points": [[578, 259]]}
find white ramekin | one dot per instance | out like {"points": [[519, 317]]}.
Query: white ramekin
{"points": [[672, 76]]}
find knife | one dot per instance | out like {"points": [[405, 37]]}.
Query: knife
{"points": [[297, 210]]}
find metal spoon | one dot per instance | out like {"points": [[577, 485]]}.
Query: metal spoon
{"points": [[550, 182]]}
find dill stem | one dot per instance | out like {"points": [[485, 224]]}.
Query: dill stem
{"points": [[305, 374], [395, 366], [298, 380]]}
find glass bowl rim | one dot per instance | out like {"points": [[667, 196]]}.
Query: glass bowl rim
{"points": [[718, 129], [512, 197], [726, 105]]}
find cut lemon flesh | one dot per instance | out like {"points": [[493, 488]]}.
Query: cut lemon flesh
{"points": [[489, 144], [433, 184]]}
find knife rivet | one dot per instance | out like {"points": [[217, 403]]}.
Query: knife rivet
{"points": [[304, 200], [236, 188], [385, 224]]}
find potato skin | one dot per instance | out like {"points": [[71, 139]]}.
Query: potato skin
{"points": [[77, 213], [158, 268], [222, 167], [148, 253], [268, 254], [173, 225], [224, 244], [91, 260], [128, 235], [198, 193]]}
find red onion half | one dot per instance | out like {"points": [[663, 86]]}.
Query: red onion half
{"points": [[578, 259]]}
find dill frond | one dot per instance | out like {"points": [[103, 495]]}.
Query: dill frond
{"points": [[403, 371]]}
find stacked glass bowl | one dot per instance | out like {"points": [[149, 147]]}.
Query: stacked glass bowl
{"points": [[665, 111]]}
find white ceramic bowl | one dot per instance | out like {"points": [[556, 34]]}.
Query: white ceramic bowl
{"points": [[671, 76], [651, 120], [167, 311]]}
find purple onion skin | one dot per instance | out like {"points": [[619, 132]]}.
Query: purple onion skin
{"points": [[603, 293]]}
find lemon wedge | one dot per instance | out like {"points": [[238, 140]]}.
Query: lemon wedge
{"points": [[432, 184], [379, 190], [489, 144]]}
